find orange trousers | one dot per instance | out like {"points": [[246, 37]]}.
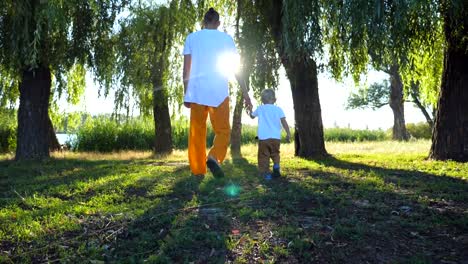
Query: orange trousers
{"points": [[219, 117]]}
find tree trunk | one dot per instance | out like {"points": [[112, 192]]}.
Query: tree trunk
{"points": [[415, 95], [236, 131], [33, 115], [54, 144], [309, 141], [302, 75], [450, 134], [162, 121], [397, 104]]}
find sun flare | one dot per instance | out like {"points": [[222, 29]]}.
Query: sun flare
{"points": [[228, 64]]}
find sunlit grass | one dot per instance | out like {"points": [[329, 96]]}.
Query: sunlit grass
{"points": [[129, 207]]}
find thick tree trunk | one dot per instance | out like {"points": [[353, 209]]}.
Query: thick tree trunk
{"points": [[33, 116], [236, 130], [450, 134], [309, 141], [302, 74], [397, 105], [54, 144], [162, 121]]}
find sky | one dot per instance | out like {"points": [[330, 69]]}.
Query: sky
{"points": [[333, 97]]}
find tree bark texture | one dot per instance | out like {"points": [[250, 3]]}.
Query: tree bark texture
{"points": [[236, 130], [302, 75], [397, 105], [54, 144], [450, 134], [308, 138], [162, 121], [33, 116]]}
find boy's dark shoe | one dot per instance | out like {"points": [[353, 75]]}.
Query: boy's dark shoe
{"points": [[214, 168], [276, 173]]}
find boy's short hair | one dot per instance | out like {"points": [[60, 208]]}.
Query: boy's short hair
{"points": [[268, 96], [211, 16]]}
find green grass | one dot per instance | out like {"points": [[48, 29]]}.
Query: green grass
{"points": [[380, 202]]}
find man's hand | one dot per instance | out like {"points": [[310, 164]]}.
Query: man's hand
{"points": [[248, 103], [187, 104]]}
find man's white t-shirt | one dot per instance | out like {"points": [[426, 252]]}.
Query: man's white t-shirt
{"points": [[269, 121], [207, 84]]}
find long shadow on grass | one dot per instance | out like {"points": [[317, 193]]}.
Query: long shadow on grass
{"points": [[422, 183], [307, 216], [57, 178], [179, 228], [84, 195], [319, 216]]}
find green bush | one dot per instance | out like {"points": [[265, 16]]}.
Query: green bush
{"points": [[352, 135], [7, 131], [420, 130], [104, 134]]}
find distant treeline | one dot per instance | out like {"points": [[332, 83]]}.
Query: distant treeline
{"points": [[105, 133]]}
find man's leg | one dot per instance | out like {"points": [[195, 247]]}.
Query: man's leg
{"points": [[197, 139], [219, 117]]}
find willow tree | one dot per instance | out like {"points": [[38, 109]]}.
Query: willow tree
{"points": [[260, 62], [377, 95], [40, 40], [296, 32], [148, 41], [450, 135], [384, 34]]}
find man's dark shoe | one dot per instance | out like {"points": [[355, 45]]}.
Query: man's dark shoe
{"points": [[214, 168]]}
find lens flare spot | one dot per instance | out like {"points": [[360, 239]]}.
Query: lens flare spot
{"points": [[232, 190]]}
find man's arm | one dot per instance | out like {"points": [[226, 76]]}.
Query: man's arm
{"points": [[186, 73], [245, 91], [286, 128]]}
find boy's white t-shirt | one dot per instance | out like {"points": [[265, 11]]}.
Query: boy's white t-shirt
{"points": [[207, 84], [269, 121]]}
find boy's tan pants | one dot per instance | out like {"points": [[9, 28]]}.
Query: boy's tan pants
{"points": [[268, 148], [219, 117]]}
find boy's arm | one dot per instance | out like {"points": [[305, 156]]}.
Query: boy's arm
{"points": [[286, 128]]}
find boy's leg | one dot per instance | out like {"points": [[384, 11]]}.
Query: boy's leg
{"points": [[275, 156], [263, 157], [197, 139], [219, 117]]}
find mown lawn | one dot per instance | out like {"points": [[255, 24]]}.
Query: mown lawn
{"points": [[380, 202]]}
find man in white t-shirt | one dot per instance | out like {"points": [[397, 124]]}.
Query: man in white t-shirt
{"points": [[270, 120], [206, 93]]}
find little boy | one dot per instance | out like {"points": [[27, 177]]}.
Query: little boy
{"points": [[270, 119]]}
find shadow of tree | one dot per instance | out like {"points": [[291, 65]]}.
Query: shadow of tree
{"points": [[338, 212]]}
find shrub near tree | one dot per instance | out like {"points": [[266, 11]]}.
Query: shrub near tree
{"points": [[7, 131]]}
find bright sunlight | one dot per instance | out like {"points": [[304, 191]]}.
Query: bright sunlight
{"points": [[228, 64]]}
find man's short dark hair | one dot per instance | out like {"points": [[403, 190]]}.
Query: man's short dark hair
{"points": [[211, 16]]}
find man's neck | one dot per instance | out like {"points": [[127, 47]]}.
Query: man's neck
{"points": [[211, 27]]}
